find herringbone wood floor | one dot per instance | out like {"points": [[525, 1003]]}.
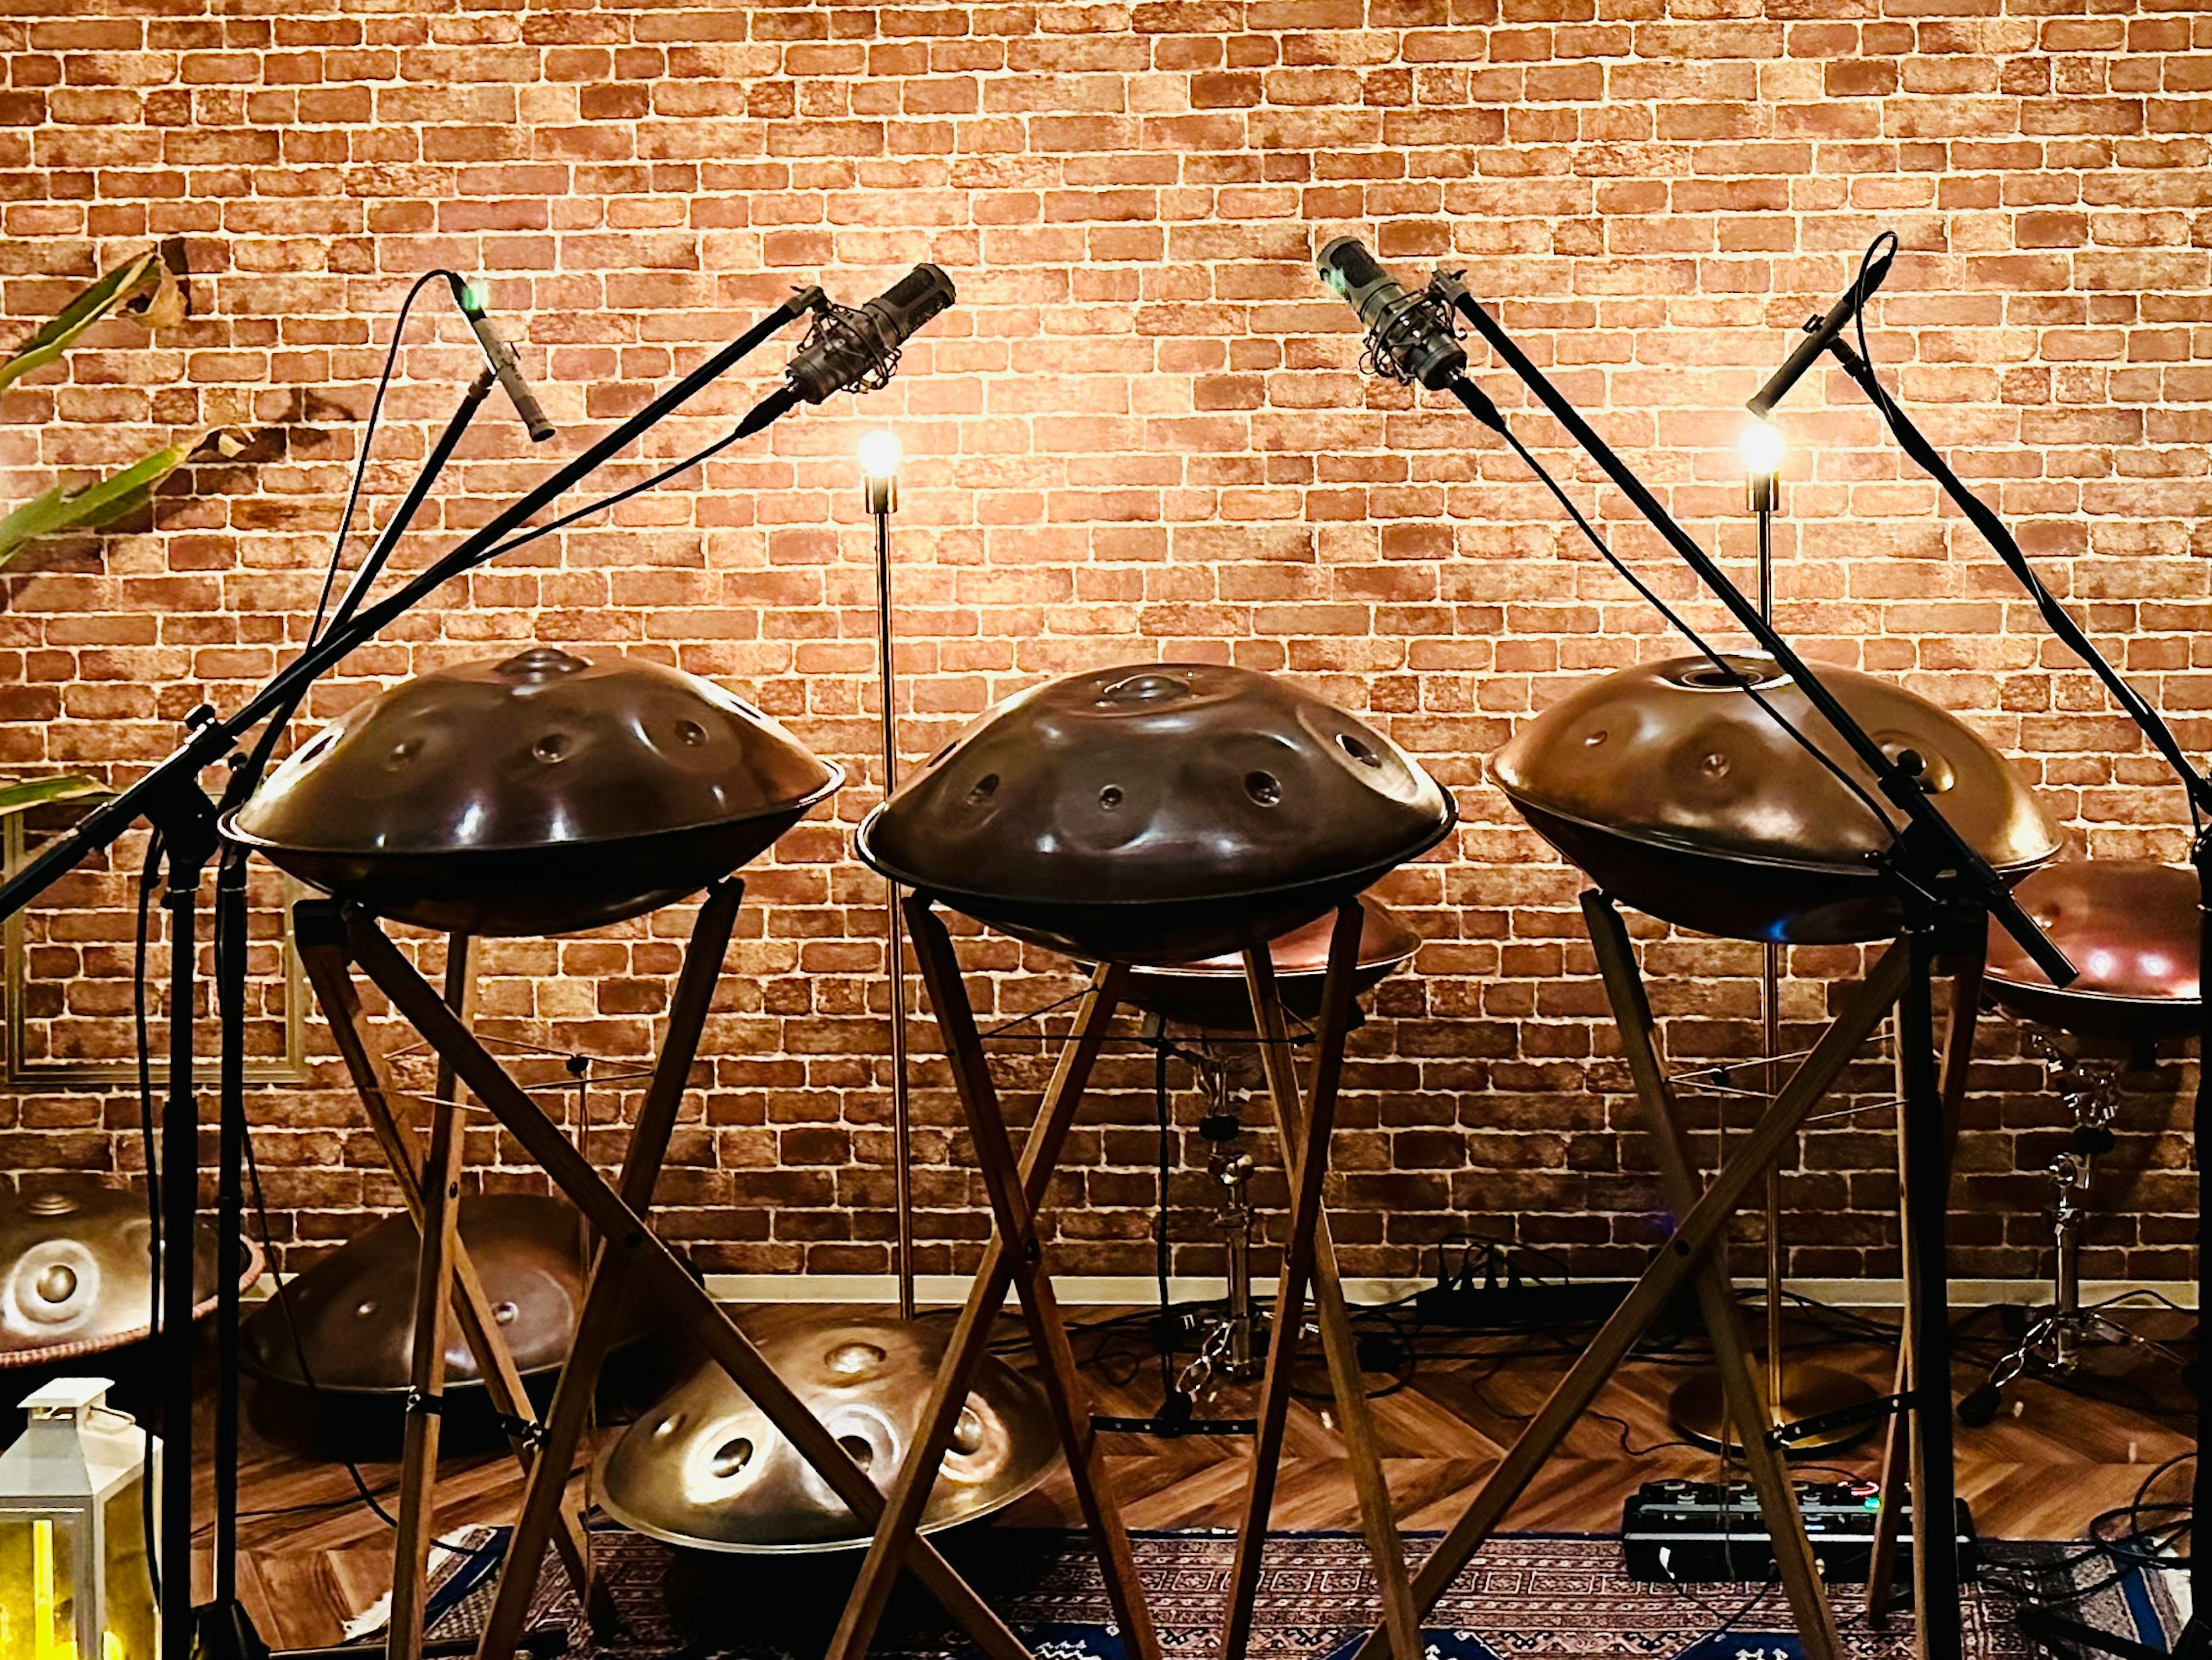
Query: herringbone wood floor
{"points": [[309, 1559]]}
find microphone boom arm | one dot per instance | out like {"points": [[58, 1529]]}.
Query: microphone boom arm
{"points": [[1933, 832], [212, 737]]}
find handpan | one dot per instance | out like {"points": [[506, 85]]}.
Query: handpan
{"points": [[1679, 794], [2130, 926], [540, 794], [707, 1469], [76, 1272], [350, 1317], [1212, 992], [1157, 813]]}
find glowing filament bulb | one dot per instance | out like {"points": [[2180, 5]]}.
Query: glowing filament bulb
{"points": [[1761, 446]]}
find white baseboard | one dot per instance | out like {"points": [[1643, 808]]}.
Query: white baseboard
{"points": [[1137, 1291]]}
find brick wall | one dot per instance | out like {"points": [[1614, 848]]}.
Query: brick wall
{"points": [[1141, 434]]}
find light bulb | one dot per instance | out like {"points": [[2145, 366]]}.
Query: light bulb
{"points": [[1761, 445], [880, 453]]}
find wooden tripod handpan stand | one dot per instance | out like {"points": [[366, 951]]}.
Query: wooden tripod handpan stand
{"points": [[1696, 1251], [1013, 1257], [333, 939]]}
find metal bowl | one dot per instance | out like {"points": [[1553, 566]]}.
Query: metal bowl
{"points": [[1157, 813], [1210, 992], [541, 794], [1678, 794], [351, 1316], [2130, 926], [75, 1273], [706, 1468]]}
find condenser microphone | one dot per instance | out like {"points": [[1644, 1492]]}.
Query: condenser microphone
{"points": [[855, 350], [501, 356], [1409, 336], [1822, 331]]}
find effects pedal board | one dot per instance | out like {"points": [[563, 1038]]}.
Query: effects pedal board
{"points": [[1699, 1532]]}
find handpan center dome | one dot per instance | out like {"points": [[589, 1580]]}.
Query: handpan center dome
{"points": [[541, 793], [1674, 788], [1157, 812]]}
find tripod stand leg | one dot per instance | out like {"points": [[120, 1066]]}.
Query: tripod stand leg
{"points": [[1305, 1156], [1896, 1453], [1694, 1234], [1017, 1225], [909, 1492], [621, 1230], [1926, 1181], [316, 927], [544, 1495], [1740, 1381], [425, 1391]]}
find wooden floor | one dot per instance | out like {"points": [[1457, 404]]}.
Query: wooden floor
{"points": [[311, 1559]]}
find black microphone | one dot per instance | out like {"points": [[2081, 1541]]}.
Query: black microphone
{"points": [[854, 350], [1409, 336], [501, 356], [1822, 331]]}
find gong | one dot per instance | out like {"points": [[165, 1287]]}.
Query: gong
{"points": [[544, 793], [1679, 794], [1157, 813]]}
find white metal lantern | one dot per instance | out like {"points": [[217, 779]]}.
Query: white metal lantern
{"points": [[73, 1579]]}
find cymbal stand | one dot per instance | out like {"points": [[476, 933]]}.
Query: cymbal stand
{"points": [[170, 797], [1944, 889], [1014, 1260], [2195, 1642]]}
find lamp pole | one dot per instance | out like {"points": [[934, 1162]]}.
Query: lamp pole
{"points": [[880, 455]]}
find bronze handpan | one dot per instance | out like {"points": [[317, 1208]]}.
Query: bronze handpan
{"points": [[75, 1273], [541, 794], [1677, 794], [2131, 927], [351, 1316], [1157, 813], [1212, 992], [706, 1468]]}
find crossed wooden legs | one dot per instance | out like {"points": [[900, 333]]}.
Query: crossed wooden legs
{"points": [[331, 939], [1698, 1227], [1012, 1258]]}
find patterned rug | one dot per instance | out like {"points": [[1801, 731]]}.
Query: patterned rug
{"points": [[1526, 1597]]}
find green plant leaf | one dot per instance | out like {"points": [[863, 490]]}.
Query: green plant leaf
{"points": [[21, 794], [85, 506], [125, 283]]}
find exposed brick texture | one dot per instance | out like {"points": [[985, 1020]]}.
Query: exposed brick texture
{"points": [[1141, 434]]}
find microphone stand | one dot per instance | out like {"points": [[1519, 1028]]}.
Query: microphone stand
{"points": [[1948, 892], [172, 799], [2195, 1638]]}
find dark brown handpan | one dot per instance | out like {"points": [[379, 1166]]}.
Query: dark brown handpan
{"points": [[2131, 927], [1157, 813], [544, 793], [349, 1317], [1677, 794]]}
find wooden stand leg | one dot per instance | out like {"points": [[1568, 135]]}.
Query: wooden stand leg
{"points": [[1305, 1154], [1017, 1226], [426, 1389], [316, 921], [601, 1317], [626, 1236], [1966, 1003], [1740, 1381], [909, 1493], [1695, 1232]]}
